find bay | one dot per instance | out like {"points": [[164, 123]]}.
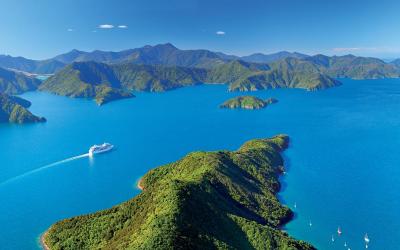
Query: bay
{"points": [[342, 163]]}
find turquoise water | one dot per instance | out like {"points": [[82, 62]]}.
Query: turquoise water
{"points": [[342, 162]]}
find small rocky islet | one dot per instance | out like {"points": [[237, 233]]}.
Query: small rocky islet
{"points": [[247, 102]]}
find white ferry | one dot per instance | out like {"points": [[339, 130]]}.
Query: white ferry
{"points": [[97, 149]]}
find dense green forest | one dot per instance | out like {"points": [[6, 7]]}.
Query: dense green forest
{"points": [[206, 200], [14, 109]]}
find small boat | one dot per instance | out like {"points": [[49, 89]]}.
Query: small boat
{"points": [[310, 224], [295, 205], [333, 239], [339, 231], [345, 244], [366, 239], [97, 149]]}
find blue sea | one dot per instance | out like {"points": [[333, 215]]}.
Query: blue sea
{"points": [[342, 165]]}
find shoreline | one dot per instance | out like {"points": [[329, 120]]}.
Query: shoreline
{"points": [[42, 242], [139, 185]]}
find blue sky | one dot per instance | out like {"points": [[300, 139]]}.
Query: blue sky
{"points": [[40, 29]]}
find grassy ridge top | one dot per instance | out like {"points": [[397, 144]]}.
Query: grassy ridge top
{"points": [[206, 200]]}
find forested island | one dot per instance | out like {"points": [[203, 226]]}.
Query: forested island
{"points": [[247, 102], [233, 194]]}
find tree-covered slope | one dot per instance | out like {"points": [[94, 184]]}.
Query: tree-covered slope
{"points": [[16, 83], [14, 109], [286, 73], [354, 67], [157, 77], [86, 80], [207, 200], [233, 70]]}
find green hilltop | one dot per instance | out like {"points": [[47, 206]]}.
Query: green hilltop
{"points": [[206, 200], [14, 110], [86, 80]]}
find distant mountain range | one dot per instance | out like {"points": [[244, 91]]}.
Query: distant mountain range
{"points": [[106, 76], [162, 54]]}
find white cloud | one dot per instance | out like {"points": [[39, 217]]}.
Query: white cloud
{"points": [[123, 26], [220, 33], [70, 30], [106, 26]]}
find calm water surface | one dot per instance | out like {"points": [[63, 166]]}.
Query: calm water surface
{"points": [[343, 161]]}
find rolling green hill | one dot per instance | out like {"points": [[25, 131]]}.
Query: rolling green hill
{"points": [[206, 200], [354, 67], [286, 73], [16, 83], [156, 78], [233, 70], [86, 80], [14, 110]]}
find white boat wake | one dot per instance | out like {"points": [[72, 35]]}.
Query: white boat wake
{"points": [[43, 168]]}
